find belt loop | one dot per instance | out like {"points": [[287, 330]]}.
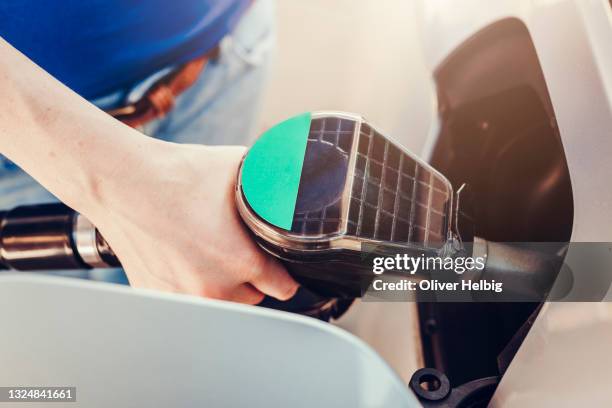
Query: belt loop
{"points": [[161, 99]]}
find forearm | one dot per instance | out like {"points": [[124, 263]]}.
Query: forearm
{"points": [[72, 148]]}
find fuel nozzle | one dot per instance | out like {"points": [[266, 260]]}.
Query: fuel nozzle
{"points": [[321, 189], [319, 186]]}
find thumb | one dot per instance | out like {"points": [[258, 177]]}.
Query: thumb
{"points": [[274, 280]]}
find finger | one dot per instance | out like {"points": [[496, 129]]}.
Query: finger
{"points": [[273, 280], [246, 293]]}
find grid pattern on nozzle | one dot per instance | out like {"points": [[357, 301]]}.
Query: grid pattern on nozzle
{"points": [[326, 219], [394, 198]]}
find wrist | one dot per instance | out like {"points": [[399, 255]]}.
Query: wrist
{"points": [[115, 178]]}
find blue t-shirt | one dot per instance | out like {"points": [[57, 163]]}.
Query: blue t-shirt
{"points": [[100, 46]]}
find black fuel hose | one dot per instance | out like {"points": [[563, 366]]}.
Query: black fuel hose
{"points": [[51, 237]]}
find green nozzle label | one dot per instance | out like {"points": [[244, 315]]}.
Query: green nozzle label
{"points": [[272, 169]]}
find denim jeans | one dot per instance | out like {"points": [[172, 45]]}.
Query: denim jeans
{"points": [[219, 108]]}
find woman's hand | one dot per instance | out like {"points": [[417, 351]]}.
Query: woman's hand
{"points": [[174, 226], [167, 210]]}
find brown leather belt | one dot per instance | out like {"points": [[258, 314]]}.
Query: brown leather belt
{"points": [[159, 99]]}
